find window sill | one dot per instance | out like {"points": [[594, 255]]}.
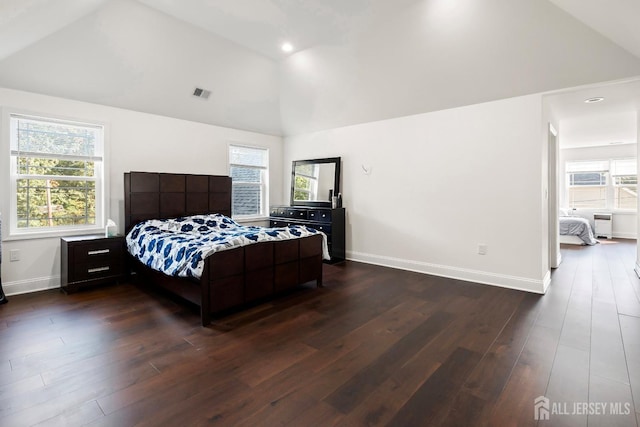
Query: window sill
{"points": [[590, 211], [52, 234], [245, 219], [620, 212]]}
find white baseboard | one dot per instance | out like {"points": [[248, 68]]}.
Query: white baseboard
{"points": [[31, 285], [477, 276], [625, 235], [546, 281], [557, 262], [502, 280]]}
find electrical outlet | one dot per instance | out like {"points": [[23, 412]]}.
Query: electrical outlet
{"points": [[482, 249], [14, 255]]}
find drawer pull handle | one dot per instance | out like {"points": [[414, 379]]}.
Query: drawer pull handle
{"points": [[98, 252], [98, 269]]}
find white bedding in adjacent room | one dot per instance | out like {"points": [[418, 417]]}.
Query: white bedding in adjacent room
{"points": [[576, 230]]}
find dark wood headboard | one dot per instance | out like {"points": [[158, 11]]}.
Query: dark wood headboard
{"points": [[149, 195]]}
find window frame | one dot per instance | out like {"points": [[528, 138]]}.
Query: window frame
{"points": [[610, 185], [604, 176], [264, 185], [10, 179], [618, 172], [619, 187]]}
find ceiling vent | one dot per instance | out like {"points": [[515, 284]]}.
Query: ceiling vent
{"points": [[201, 93]]}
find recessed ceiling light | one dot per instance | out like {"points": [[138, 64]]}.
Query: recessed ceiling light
{"points": [[594, 99], [287, 47]]}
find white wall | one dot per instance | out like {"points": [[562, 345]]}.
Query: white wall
{"points": [[637, 266], [440, 184], [137, 142], [625, 224]]}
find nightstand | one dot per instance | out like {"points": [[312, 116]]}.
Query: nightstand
{"points": [[87, 261]]}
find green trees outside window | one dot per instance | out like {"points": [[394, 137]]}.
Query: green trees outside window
{"points": [[57, 167]]}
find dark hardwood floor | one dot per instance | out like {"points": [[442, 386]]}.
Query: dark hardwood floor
{"points": [[374, 347]]}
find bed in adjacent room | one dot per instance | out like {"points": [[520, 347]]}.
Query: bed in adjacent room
{"points": [[575, 230], [182, 239]]}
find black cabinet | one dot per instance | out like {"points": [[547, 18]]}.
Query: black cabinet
{"points": [[330, 221], [91, 260]]}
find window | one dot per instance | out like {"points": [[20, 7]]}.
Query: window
{"points": [[625, 183], [587, 184], [249, 172], [56, 174], [602, 184]]}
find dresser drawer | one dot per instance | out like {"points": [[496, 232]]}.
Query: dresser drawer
{"points": [[325, 228], [296, 214], [319, 215], [278, 211], [279, 223]]}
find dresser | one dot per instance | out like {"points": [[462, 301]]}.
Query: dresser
{"points": [[330, 221], [87, 261]]}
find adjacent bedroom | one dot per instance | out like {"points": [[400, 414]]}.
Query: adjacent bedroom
{"points": [[598, 174]]}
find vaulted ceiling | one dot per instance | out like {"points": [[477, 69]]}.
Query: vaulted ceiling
{"points": [[353, 61]]}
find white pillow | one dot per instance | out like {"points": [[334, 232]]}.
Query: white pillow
{"points": [[565, 212]]}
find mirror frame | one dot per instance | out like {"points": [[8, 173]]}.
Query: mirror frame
{"points": [[336, 181]]}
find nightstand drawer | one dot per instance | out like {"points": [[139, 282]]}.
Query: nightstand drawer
{"points": [[103, 249], [96, 269]]}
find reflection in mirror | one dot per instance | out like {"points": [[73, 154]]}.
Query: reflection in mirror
{"points": [[315, 181]]}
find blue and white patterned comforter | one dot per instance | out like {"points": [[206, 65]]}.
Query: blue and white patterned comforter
{"points": [[178, 246]]}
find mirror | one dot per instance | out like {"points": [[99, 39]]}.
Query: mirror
{"points": [[313, 182]]}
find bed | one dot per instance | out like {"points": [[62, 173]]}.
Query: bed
{"points": [[229, 278], [575, 230]]}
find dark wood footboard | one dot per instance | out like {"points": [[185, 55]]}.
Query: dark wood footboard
{"points": [[241, 276], [244, 275]]}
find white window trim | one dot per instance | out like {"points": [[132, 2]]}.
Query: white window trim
{"points": [[9, 229], [265, 186], [609, 186]]}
